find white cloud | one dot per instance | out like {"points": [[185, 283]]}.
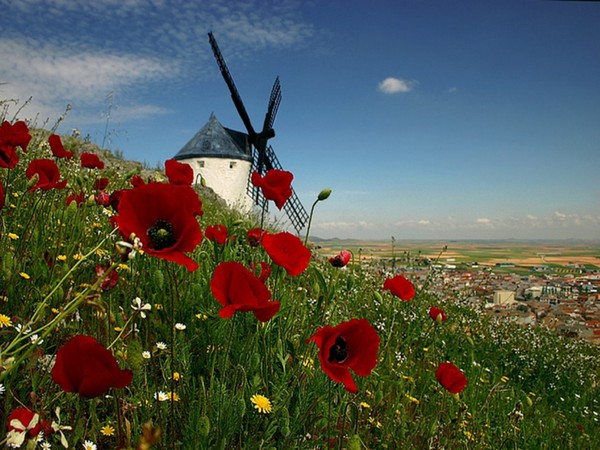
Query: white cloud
{"points": [[484, 221], [54, 77], [393, 85]]}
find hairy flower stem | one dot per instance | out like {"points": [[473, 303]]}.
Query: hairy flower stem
{"points": [[174, 296], [312, 210]]}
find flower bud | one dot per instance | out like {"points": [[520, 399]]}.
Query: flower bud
{"points": [[324, 194]]}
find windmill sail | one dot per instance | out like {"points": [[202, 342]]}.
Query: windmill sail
{"points": [[264, 157]]}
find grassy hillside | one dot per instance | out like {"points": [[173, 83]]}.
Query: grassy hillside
{"points": [[65, 272]]}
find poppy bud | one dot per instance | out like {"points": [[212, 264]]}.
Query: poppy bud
{"points": [[324, 194]]}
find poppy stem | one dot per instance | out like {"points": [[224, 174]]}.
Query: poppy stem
{"points": [[174, 295], [312, 210]]}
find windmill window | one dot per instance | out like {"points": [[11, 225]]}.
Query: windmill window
{"points": [[200, 164], [232, 164]]}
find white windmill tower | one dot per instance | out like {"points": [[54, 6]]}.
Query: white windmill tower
{"points": [[225, 158]]}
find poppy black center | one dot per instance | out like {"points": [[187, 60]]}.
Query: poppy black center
{"points": [[338, 351], [161, 235]]}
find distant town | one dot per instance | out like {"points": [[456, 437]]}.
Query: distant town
{"points": [[562, 294]]}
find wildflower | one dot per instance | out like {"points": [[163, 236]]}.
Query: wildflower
{"points": [[146, 354], [77, 198], [130, 249], [62, 258], [451, 378], [504, 378], [48, 176], [11, 137], [91, 161], [437, 314], [57, 147], [180, 326], [201, 316], [161, 345], [84, 366], [261, 403], [162, 238], [176, 376], [400, 287], [238, 289], [365, 405], [35, 339], [287, 251], [45, 445], [5, 321], [24, 275], [179, 173], [138, 307], [100, 184], [13, 236], [22, 423], [109, 279], [107, 430], [254, 237], [2, 389], [412, 399], [173, 396], [265, 270], [341, 259], [161, 396], [349, 345], [275, 185], [217, 233], [89, 445]]}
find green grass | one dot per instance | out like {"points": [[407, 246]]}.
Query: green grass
{"points": [[528, 389]]}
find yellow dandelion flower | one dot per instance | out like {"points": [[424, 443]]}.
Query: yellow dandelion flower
{"points": [[3, 298], [261, 403], [118, 329], [62, 258], [24, 276], [13, 236], [77, 256], [173, 396], [158, 306], [122, 266], [5, 321], [412, 399], [409, 379], [55, 310], [176, 376], [504, 378], [107, 430], [201, 316], [365, 405]]}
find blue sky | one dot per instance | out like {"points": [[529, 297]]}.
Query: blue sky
{"points": [[428, 119]]}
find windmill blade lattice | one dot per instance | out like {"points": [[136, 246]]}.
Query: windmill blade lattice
{"points": [[293, 207]]}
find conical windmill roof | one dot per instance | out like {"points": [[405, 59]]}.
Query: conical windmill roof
{"points": [[215, 141]]}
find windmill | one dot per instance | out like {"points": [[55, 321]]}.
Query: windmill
{"points": [[263, 156]]}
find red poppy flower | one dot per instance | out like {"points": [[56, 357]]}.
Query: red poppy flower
{"points": [[179, 173], [102, 198], [91, 161], [265, 270], [254, 237], [77, 198], [111, 279], [287, 251], [136, 181], [217, 233], [11, 137], [350, 345], [437, 314], [238, 289], [400, 287], [115, 198], [47, 173], [451, 377], [275, 185], [341, 259], [57, 147], [84, 366], [100, 184], [163, 217]]}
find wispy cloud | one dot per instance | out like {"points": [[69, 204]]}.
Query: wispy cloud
{"points": [[76, 51], [392, 85]]}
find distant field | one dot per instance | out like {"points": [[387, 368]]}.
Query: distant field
{"points": [[520, 253]]}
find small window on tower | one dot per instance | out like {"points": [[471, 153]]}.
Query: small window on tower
{"points": [[232, 164], [200, 164]]}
